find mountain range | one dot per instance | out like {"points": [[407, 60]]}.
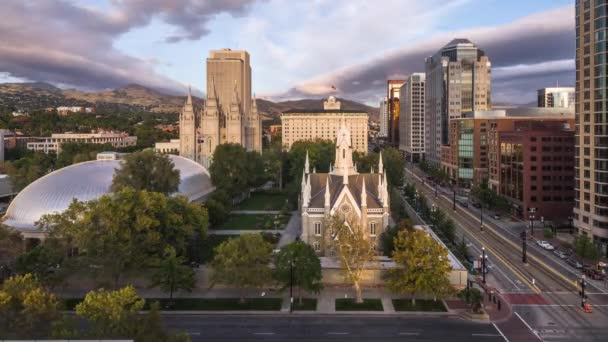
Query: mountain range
{"points": [[134, 97]]}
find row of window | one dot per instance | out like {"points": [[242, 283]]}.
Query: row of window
{"points": [[372, 228]]}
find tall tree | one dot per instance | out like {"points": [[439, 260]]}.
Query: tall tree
{"points": [[387, 238], [76, 152], [126, 231], [32, 166], [395, 166], [299, 263], [172, 275], [42, 261], [111, 313], [422, 266], [26, 309], [242, 262], [229, 170], [147, 170], [353, 248]]}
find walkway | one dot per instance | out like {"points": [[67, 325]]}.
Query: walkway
{"points": [[292, 231]]}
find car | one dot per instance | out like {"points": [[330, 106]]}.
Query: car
{"points": [[549, 247], [593, 274], [541, 243], [574, 263], [496, 217], [560, 254], [477, 205]]}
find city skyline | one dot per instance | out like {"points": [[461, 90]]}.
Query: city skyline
{"points": [[163, 47]]}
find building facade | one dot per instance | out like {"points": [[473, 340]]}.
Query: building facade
{"points": [[458, 80], [535, 167], [303, 124], [171, 147], [591, 201], [471, 157], [53, 143], [393, 88], [412, 129], [363, 198], [556, 97], [229, 114], [383, 133]]}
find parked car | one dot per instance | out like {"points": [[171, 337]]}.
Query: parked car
{"points": [[477, 205], [560, 254], [541, 243], [574, 263], [496, 217], [593, 274]]}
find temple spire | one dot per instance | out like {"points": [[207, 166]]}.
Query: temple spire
{"points": [[189, 99], [380, 165], [327, 194], [306, 164], [363, 195]]}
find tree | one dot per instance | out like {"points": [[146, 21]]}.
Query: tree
{"points": [[24, 171], [111, 313], [422, 266], [147, 170], [229, 170], [585, 248], [353, 248], [242, 262], [366, 161], [387, 238], [298, 261], [395, 165], [77, 152], [126, 231], [43, 262], [11, 246], [26, 309], [172, 275]]}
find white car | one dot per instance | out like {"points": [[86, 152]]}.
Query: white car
{"points": [[545, 245]]}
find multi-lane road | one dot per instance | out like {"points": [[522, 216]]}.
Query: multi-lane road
{"points": [[543, 291]]}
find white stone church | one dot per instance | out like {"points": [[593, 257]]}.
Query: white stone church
{"points": [[363, 197]]}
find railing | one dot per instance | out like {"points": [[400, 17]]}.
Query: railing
{"points": [[375, 210], [315, 210]]}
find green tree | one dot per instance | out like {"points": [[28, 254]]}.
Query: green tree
{"points": [[43, 262], [77, 152], [422, 266], [26, 309], [585, 248], [126, 231], [387, 238], [24, 171], [229, 170], [172, 275], [366, 161], [395, 165], [147, 170], [111, 313], [297, 261], [353, 248], [11, 246], [242, 262]]}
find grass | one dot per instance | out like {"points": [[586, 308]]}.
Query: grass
{"points": [[427, 305], [263, 201], [205, 304], [308, 304], [251, 222], [349, 304]]}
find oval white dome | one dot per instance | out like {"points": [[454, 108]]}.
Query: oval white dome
{"points": [[87, 181]]}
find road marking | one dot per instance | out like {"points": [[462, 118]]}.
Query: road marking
{"points": [[409, 333], [529, 327], [263, 333], [486, 335], [500, 332], [337, 333], [193, 333]]}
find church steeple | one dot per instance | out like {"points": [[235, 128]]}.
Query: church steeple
{"points": [[344, 151]]}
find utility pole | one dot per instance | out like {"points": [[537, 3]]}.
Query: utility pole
{"points": [[483, 265], [524, 252], [435, 188], [454, 198], [291, 284], [583, 284], [532, 211]]}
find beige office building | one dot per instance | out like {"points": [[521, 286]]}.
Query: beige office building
{"points": [[411, 121], [53, 143], [304, 124], [591, 120]]}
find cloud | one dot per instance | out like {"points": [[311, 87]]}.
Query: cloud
{"points": [[60, 42], [532, 49]]}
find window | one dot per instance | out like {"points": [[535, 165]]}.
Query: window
{"points": [[318, 228], [332, 252], [316, 246], [372, 229]]}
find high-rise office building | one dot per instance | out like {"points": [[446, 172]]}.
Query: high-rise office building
{"points": [[383, 118], [393, 88], [556, 97], [411, 121], [458, 80], [591, 182]]}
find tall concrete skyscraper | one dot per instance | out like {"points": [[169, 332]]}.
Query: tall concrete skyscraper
{"points": [[383, 118], [591, 117], [229, 115], [411, 118], [562, 97], [393, 87], [458, 80]]}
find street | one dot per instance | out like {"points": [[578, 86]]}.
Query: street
{"points": [[543, 291], [330, 328]]}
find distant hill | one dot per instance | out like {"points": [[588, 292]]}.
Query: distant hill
{"points": [[135, 97]]}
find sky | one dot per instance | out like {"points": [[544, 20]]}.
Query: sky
{"points": [[298, 48]]}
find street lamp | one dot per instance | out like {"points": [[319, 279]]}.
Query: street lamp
{"points": [[583, 284], [524, 252], [416, 200], [532, 211], [483, 264], [454, 197], [291, 284]]}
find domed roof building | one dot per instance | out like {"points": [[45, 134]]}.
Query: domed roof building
{"points": [[87, 181]]}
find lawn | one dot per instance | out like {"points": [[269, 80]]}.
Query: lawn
{"points": [[421, 305], [369, 304], [263, 201], [203, 304], [308, 304], [253, 222]]}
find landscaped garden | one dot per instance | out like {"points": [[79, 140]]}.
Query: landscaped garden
{"points": [[428, 305], [349, 304], [204, 304], [254, 222], [263, 201]]}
